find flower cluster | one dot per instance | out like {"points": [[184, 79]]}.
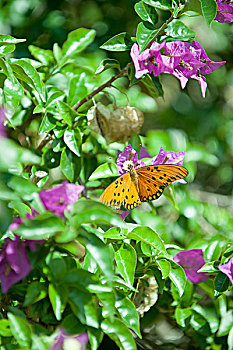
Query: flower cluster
{"points": [[224, 11], [182, 59], [14, 262]]}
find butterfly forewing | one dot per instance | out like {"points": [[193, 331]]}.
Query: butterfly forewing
{"points": [[153, 179], [121, 192]]}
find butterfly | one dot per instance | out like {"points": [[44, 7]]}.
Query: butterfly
{"points": [[141, 185]]}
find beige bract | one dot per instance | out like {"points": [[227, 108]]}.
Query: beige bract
{"points": [[113, 123]]}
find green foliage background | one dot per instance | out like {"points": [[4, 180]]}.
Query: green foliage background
{"points": [[181, 120]]}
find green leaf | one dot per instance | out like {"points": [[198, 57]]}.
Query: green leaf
{"points": [[101, 253], [72, 325], [107, 63], [145, 34], [95, 338], [153, 85], [160, 4], [6, 48], [22, 185], [146, 234], [58, 296], [5, 328], [66, 112], [10, 39], [31, 72], [44, 56], [77, 41], [183, 316], [83, 307], [77, 89], [47, 124], [126, 259], [209, 10], [200, 324], [230, 339], [20, 330], [146, 12], [73, 140], [119, 42], [35, 292], [42, 227], [39, 342], [225, 324], [114, 233], [117, 331], [128, 313], [177, 30], [108, 300], [213, 251], [70, 165], [209, 267], [135, 142], [221, 282], [12, 90], [164, 266], [104, 170], [178, 277]]}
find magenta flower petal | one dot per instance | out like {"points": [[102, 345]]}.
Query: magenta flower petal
{"points": [[60, 196], [224, 11], [191, 261], [14, 263], [168, 157], [227, 269], [144, 153], [129, 154]]}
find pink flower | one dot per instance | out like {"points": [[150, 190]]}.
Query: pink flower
{"points": [[60, 196], [128, 155], [227, 269], [191, 261], [224, 11], [14, 262], [62, 338], [182, 59]]}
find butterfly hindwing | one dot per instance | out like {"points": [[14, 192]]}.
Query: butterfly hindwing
{"points": [[131, 199], [153, 179]]}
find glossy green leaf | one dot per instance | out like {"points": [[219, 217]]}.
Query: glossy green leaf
{"points": [[35, 292], [209, 10], [73, 139], [104, 170], [66, 112], [10, 39], [77, 89], [160, 4], [146, 12], [183, 316], [200, 324], [83, 307], [20, 330], [34, 76], [213, 251], [209, 267], [221, 282], [230, 339], [95, 337], [94, 212], [47, 124], [70, 165], [146, 234], [119, 42], [58, 269], [117, 331], [22, 185], [12, 90], [72, 325], [6, 49], [164, 266], [225, 324], [145, 34], [126, 260], [128, 312], [42, 227], [77, 41], [153, 85], [100, 252], [5, 330], [114, 233], [178, 277], [58, 296], [39, 342], [42, 55], [177, 30], [107, 63]]}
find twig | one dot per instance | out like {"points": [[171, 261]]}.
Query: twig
{"points": [[102, 87], [164, 26]]}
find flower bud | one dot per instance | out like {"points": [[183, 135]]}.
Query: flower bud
{"points": [[114, 123]]}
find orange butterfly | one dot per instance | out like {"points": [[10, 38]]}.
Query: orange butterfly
{"points": [[141, 185]]}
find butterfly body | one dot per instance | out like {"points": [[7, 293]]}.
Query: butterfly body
{"points": [[141, 185]]}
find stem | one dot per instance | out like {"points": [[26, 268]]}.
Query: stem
{"points": [[164, 26], [102, 87]]}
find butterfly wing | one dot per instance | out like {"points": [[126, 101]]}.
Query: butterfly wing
{"points": [[121, 192], [153, 179]]}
